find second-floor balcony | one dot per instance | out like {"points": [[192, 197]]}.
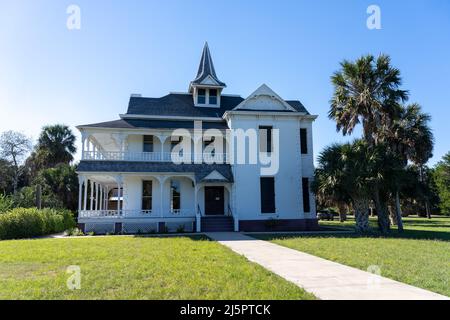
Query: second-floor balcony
{"points": [[154, 156]]}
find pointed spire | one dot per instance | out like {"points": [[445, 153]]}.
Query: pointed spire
{"points": [[206, 68]]}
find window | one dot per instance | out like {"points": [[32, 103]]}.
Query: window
{"points": [[265, 139], [148, 143], [175, 198], [267, 185], [303, 141], [146, 195], [212, 96], [201, 98], [305, 189]]}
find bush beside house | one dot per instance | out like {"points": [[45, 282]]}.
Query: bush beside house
{"points": [[25, 223]]}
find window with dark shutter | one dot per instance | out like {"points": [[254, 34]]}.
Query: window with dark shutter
{"points": [[265, 139], [304, 140], [305, 189], [267, 185]]}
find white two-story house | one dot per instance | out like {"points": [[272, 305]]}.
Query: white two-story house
{"points": [[199, 161]]}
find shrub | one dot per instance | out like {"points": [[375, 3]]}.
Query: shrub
{"points": [[25, 223]]}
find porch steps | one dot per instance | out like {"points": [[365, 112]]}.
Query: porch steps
{"points": [[217, 224]]}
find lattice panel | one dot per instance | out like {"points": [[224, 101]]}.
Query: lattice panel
{"points": [[99, 228], [135, 228]]}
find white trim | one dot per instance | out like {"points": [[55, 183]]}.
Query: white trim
{"points": [[264, 90]]}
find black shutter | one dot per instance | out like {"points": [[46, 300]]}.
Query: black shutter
{"points": [[267, 194], [305, 188], [303, 141], [268, 137]]}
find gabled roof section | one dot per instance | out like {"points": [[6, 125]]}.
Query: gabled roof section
{"points": [[206, 74], [179, 104], [265, 99]]}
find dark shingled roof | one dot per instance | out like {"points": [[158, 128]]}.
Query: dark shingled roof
{"points": [[206, 68], [200, 170], [179, 104], [156, 124]]}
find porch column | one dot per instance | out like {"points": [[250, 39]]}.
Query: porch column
{"points": [[107, 198], [85, 194], [97, 196], [119, 193], [80, 191], [92, 196], [161, 186], [101, 198], [198, 224]]}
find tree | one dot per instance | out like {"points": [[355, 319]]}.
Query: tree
{"points": [[14, 146], [6, 177], [56, 144], [62, 182], [441, 176], [411, 139], [343, 173], [367, 91]]}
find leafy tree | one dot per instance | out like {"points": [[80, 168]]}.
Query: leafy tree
{"points": [[441, 176], [14, 146], [62, 183], [56, 145], [6, 177]]}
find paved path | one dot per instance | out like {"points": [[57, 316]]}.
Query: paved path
{"points": [[323, 278]]}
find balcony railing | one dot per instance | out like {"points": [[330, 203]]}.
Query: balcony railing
{"points": [[135, 214], [153, 156]]}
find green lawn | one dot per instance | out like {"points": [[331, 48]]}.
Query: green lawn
{"points": [[120, 267], [420, 256]]}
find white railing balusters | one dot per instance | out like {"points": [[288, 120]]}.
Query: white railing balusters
{"points": [[152, 156]]}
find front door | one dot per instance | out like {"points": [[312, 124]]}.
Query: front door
{"points": [[214, 201]]}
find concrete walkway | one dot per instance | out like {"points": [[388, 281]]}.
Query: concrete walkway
{"points": [[325, 279]]}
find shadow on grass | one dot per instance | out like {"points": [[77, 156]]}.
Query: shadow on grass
{"points": [[199, 237], [394, 234]]}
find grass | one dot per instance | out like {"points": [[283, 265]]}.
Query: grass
{"points": [[135, 268], [420, 256]]}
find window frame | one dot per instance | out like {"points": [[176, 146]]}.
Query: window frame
{"points": [[146, 198], [306, 196], [268, 207], [269, 139], [144, 143], [303, 140], [203, 96]]}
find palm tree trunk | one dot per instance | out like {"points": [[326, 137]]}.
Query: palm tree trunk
{"points": [[398, 212], [382, 213], [361, 206], [342, 212]]}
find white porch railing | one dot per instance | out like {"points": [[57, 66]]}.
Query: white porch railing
{"points": [[152, 156], [94, 214]]}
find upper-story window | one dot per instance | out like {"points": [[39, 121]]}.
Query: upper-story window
{"points": [[212, 96], [265, 139], [304, 141], [148, 144], [201, 98]]}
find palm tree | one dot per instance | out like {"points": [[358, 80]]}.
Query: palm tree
{"points": [[342, 173], [367, 91], [56, 145], [412, 140]]}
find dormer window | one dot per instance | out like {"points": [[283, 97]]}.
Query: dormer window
{"points": [[201, 98], [212, 96]]}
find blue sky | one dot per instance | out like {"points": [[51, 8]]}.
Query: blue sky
{"points": [[49, 74]]}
